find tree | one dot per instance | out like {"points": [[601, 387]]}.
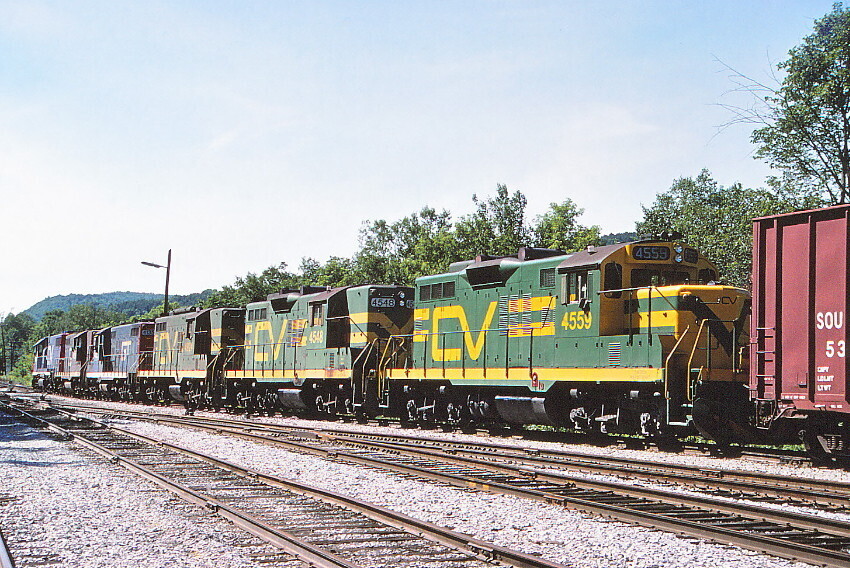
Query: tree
{"points": [[16, 333], [424, 242], [337, 271], [253, 287], [89, 316], [805, 124], [155, 311], [714, 219], [420, 243], [496, 227], [558, 228]]}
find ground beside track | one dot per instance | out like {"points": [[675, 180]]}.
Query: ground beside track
{"points": [[555, 533], [62, 506]]}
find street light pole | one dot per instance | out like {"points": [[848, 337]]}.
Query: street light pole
{"points": [[3, 349], [167, 278], [167, 268]]}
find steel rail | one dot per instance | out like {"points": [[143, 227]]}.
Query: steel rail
{"points": [[487, 551], [6, 560], [826, 525], [830, 493], [753, 515], [283, 540], [754, 454], [777, 546]]}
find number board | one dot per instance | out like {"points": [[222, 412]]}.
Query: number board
{"points": [[382, 302], [691, 256], [647, 252]]}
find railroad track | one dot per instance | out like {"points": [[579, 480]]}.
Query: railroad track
{"points": [[722, 482], [758, 454], [728, 482], [796, 536], [316, 526]]}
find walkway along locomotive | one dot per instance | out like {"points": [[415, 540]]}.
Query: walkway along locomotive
{"points": [[632, 337]]}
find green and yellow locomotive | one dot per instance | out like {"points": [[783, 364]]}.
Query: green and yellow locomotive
{"points": [[313, 350], [316, 349], [631, 338]]}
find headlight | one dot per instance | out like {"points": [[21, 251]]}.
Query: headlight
{"points": [[678, 248], [678, 258]]}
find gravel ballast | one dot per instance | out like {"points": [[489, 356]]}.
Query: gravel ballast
{"points": [[65, 506], [556, 533], [553, 532]]}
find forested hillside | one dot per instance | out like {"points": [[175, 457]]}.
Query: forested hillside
{"points": [[128, 303]]}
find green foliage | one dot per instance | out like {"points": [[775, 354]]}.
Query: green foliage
{"points": [[715, 219], [15, 333], [496, 227], [559, 229], [614, 238], [417, 244], [128, 303], [425, 242], [253, 287], [155, 311], [806, 132]]}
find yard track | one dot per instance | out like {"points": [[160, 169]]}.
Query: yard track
{"points": [[314, 525], [729, 482], [490, 467]]}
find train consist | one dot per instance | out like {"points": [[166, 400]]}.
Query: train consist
{"points": [[626, 338]]}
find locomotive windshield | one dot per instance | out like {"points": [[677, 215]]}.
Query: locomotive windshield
{"points": [[655, 277]]}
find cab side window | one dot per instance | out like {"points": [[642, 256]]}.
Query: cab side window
{"points": [[707, 275], [317, 314], [574, 287], [613, 279]]}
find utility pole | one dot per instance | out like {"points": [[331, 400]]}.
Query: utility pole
{"points": [[3, 354], [167, 268]]}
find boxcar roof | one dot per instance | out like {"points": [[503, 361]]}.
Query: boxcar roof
{"points": [[822, 212]]}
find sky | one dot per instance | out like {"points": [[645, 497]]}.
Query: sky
{"points": [[248, 133]]}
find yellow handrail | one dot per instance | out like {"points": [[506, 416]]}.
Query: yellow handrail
{"points": [[691, 359], [667, 362]]}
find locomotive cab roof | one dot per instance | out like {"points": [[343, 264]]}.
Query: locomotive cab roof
{"points": [[485, 271]]}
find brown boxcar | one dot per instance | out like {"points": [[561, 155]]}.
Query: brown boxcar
{"points": [[798, 370]]}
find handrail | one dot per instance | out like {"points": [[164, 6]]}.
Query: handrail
{"points": [[691, 358], [384, 361], [363, 354], [667, 362]]}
